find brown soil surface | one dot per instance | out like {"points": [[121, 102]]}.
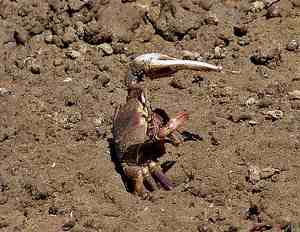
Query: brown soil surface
{"points": [[62, 68]]}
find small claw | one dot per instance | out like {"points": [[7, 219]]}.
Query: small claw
{"points": [[158, 174], [173, 124]]}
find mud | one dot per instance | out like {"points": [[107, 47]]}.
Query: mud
{"points": [[62, 73]]}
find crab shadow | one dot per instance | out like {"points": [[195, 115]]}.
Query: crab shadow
{"points": [[118, 165]]}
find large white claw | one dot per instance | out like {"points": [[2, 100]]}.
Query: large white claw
{"points": [[155, 65], [153, 62]]}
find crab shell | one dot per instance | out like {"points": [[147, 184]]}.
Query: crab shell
{"points": [[135, 128]]}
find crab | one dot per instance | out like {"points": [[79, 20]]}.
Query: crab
{"points": [[139, 132]]}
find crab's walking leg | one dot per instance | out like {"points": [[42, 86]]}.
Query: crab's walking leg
{"points": [[135, 174], [158, 174], [148, 179]]}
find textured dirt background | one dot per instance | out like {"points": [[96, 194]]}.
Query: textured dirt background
{"points": [[62, 68]]}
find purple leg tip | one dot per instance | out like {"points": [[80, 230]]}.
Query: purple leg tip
{"points": [[163, 180]]}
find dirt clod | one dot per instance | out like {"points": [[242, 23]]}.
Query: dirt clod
{"points": [[292, 45], [273, 11], [68, 225], [240, 30]]}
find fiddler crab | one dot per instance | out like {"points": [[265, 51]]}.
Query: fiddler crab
{"points": [[140, 133]]}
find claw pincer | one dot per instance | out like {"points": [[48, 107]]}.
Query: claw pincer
{"points": [[139, 132]]}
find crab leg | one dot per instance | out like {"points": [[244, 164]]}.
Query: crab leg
{"points": [[158, 174], [135, 174], [148, 179]]}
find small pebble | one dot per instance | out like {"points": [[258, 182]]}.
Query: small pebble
{"points": [[214, 139], [292, 45], [251, 101], [268, 172], [68, 225], [239, 117], [294, 94], [99, 120], [73, 54], [103, 80], [5, 92], [204, 228], [252, 122], [68, 79], [3, 199], [57, 41], [263, 72], [76, 5], [211, 19], [243, 41], [253, 174], [231, 3], [123, 59], [275, 114], [188, 55], [273, 12], [244, 117], [296, 3], [48, 37], [119, 48], [240, 30], [58, 62], [269, 3], [270, 58], [232, 229], [106, 48], [69, 35], [21, 36], [205, 4], [35, 68], [219, 53], [259, 58], [257, 6], [79, 26], [177, 84], [295, 105], [264, 103]]}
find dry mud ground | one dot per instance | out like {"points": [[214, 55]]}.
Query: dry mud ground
{"points": [[61, 76]]}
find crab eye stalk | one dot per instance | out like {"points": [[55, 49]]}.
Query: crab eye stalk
{"points": [[137, 92], [135, 75]]}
